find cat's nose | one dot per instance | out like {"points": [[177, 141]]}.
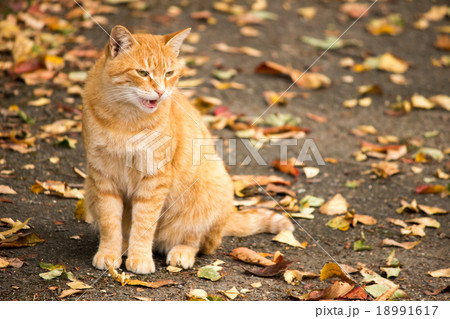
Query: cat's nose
{"points": [[160, 92]]}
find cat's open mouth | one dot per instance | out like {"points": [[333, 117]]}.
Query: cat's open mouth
{"points": [[151, 104]]}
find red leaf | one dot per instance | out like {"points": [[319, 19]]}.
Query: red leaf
{"points": [[286, 167], [270, 271], [430, 189], [357, 293]]}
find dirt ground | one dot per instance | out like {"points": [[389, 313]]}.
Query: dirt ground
{"points": [[53, 217]]}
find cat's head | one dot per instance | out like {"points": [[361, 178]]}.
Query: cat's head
{"points": [[143, 69]]}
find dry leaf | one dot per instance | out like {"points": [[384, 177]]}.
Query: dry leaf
{"points": [[334, 270], [5, 189], [78, 285], [440, 273], [280, 266], [426, 221], [406, 245], [69, 292], [287, 237], [311, 172], [293, 276], [249, 256], [335, 206], [231, 293]]}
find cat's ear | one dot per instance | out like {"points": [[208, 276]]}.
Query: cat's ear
{"points": [[120, 40], [175, 40]]}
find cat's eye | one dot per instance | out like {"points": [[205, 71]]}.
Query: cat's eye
{"points": [[142, 72], [169, 74]]}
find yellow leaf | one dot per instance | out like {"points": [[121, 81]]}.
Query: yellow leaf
{"points": [[287, 237]]}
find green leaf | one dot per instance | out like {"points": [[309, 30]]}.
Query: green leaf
{"points": [[391, 271], [279, 119], [377, 290], [224, 75], [434, 153], [51, 274], [70, 275], [48, 266], [26, 118], [210, 272], [352, 184], [312, 201], [360, 245]]}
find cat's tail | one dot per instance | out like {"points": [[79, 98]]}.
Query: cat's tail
{"points": [[253, 221]]}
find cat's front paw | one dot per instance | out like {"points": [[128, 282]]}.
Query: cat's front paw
{"points": [[181, 255], [140, 265], [104, 261]]}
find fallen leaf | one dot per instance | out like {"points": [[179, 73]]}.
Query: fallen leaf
{"points": [[334, 270], [307, 12], [406, 245], [360, 245], [391, 271], [426, 221], [435, 13], [249, 256], [5, 189], [355, 10], [287, 237], [210, 272], [430, 189], [421, 102], [440, 273], [294, 277], [231, 293], [392, 25], [78, 285], [311, 172], [385, 169], [335, 206], [154, 285], [173, 269], [286, 167], [442, 42], [143, 298], [52, 274], [280, 266], [69, 292]]}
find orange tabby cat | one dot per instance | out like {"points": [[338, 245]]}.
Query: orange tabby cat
{"points": [[180, 208]]}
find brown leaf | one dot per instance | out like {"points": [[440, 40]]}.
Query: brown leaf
{"points": [[437, 291], [69, 292], [251, 257], [406, 245], [355, 10], [385, 169], [357, 293], [280, 266], [277, 190], [337, 290], [443, 42]]}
